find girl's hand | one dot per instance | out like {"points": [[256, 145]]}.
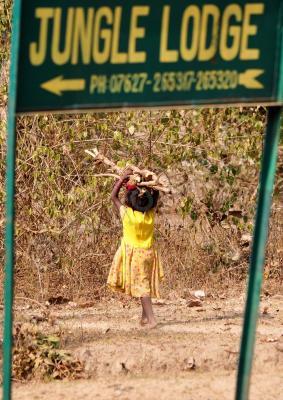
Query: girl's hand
{"points": [[126, 174]]}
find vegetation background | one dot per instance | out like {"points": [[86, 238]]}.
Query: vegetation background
{"points": [[66, 230]]}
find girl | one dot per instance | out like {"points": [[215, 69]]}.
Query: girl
{"points": [[136, 269]]}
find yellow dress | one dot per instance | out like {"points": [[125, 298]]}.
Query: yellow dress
{"points": [[136, 268]]}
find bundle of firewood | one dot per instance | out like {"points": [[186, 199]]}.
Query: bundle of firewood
{"points": [[140, 177]]}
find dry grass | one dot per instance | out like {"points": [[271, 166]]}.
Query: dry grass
{"points": [[67, 232]]}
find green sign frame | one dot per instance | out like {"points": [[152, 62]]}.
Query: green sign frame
{"points": [[139, 53], [55, 88]]}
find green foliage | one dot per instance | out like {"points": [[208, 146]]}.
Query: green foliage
{"points": [[187, 208]]}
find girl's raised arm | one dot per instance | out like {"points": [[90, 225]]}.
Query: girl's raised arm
{"points": [[117, 187], [115, 193]]}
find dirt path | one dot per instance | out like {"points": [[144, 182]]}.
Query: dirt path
{"points": [[192, 355]]}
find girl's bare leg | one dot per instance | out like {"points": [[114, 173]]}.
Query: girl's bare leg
{"points": [[144, 319], [148, 311]]}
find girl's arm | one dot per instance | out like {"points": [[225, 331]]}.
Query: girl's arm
{"points": [[115, 193], [116, 189]]}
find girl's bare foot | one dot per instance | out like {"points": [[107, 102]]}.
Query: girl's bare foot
{"points": [[147, 320], [144, 321], [150, 325]]}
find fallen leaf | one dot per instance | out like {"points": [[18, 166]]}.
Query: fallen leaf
{"points": [[271, 340], [37, 318], [246, 238], [194, 303], [58, 300], [189, 363], [265, 310], [200, 294]]}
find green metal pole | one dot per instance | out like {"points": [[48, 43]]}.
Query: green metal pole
{"points": [[10, 189], [258, 251]]}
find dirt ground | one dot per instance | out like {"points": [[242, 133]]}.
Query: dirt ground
{"points": [[191, 355]]}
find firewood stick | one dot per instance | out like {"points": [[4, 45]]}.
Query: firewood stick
{"points": [[108, 175], [137, 172], [143, 172], [100, 158], [155, 187]]}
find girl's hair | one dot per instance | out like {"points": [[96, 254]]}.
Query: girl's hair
{"points": [[142, 201]]}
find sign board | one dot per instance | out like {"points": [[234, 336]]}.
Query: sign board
{"points": [[140, 53]]}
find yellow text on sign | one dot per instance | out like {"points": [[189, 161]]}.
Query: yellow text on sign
{"points": [[235, 24], [83, 34], [93, 35]]}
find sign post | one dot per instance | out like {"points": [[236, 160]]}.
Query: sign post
{"points": [[268, 168], [10, 208], [135, 54]]}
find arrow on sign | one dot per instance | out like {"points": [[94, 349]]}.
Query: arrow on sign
{"points": [[248, 78], [58, 85]]}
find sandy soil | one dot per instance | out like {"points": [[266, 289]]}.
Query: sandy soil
{"points": [[191, 355]]}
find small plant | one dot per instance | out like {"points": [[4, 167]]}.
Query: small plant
{"points": [[36, 355]]}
